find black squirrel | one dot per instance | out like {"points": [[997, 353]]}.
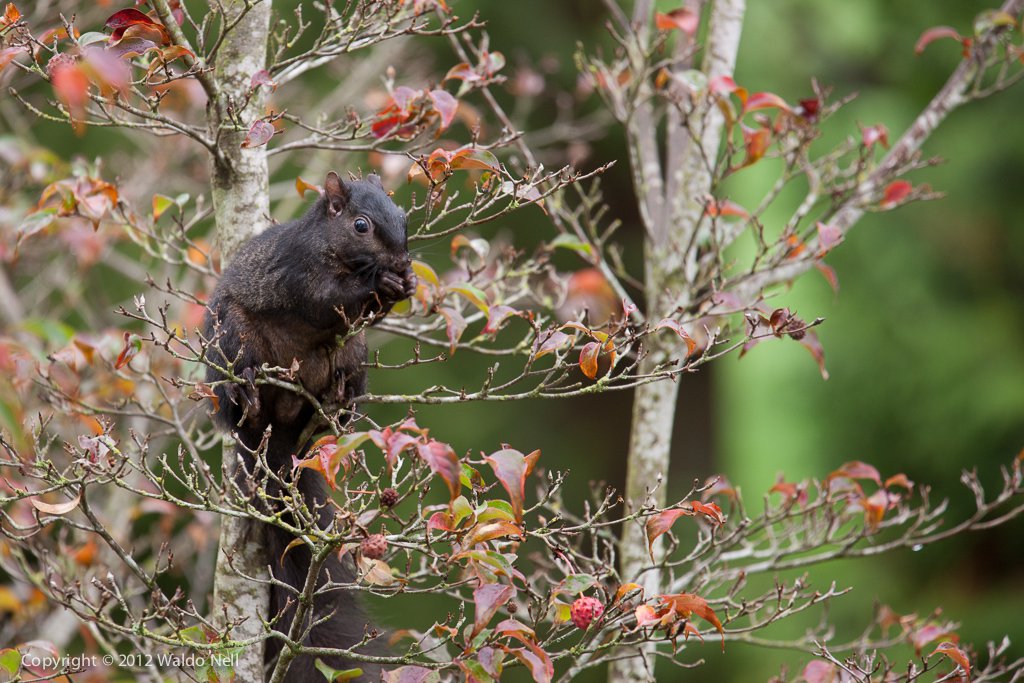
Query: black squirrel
{"points": [[294, 297]]}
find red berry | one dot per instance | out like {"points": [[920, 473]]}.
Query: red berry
{"points": [[374, 546], [388, 497], [585, 610], [59, 61]]}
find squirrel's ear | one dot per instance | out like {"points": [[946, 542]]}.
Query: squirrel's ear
{"points": [[336, 193], [374, 180]]}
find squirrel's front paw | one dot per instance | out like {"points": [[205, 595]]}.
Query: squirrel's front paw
{"points": [[394, 287], [409, 283], [391, 287]]}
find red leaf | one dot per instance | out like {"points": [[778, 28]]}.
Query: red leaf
{"points": [[646, 616], [686, 603], [262, 77], [765, 100], [392, 443], [756, 144], [936, 33], [725, 84], [512, 468], [442, 460], [445, 105], [899, 480], [819, 672], [8, 54], [954, 653], [829, 273], [488, 599], [550, 342], [259, 134], [71, 85], [709, 510], [660, 523], [682, 19], [330, 453], [409, 674], [872, 134], [676, 327], [120, 22], [791, 491], [811, 342], [809, 108], [828, 237], [456, 325], [856, 470], [724, 207], [496, 316], [536, 660], [897, 191], [930, 632]]}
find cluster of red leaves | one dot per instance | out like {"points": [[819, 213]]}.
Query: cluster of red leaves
{"points": [[673, 612], [483, 72], [410, 111], [846, 484], [756, 140], [81, 196], [440, 163], [101, 61]]}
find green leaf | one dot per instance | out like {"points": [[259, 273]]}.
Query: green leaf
{"points": [[495, 509], [160, 204], [36, 222], [567, 241], [474, 295], [10, 660], [576, 583], [337, 674]]}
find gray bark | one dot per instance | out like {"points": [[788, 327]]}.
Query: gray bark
{"points": [[241, 198]]}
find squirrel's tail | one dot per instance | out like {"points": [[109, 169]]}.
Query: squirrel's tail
{"points": [[340, 621]]}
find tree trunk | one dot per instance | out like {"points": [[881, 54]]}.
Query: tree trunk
{"points": [[241, 198], [672, 205]]}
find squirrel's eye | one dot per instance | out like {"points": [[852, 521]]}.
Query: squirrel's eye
{"points": [[361, 224]]}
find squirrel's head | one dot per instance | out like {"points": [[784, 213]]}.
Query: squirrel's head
{"points": [[364, 227]]}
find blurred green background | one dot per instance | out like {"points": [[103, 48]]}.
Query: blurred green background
{"points": [[923, 342]]}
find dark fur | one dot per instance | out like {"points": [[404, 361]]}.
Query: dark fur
{"points": [[287, 296]]}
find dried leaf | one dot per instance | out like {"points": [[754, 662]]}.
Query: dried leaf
{"points": [[56, 508]]}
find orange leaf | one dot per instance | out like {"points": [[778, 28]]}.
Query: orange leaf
{"points": [[659, 524], [951, 651], [588, 359], [682, 19], [11, 13], [687, 603], [301, 186], [765, 100]]}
